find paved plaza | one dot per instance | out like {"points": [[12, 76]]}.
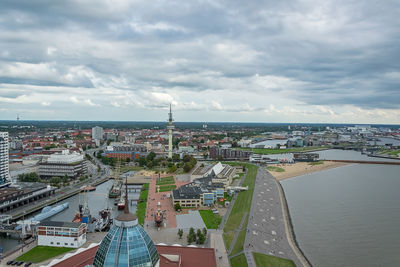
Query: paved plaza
{"points": [[165, 203], [266, 230], [192, 219]]}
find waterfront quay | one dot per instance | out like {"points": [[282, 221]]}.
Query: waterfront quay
{"points": [[58, 196], [269, 229], [26, 193]]}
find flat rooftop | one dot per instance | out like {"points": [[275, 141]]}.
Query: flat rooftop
{"points": [[60, 224]]}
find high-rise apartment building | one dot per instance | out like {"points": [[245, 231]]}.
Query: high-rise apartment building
{"points": [[4, 171], [97, 133]]}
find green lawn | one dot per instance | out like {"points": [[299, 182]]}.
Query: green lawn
{"points": [[240, 239], [242, 204], [263, 260], [142, 204], [164, 188], [166, 180], [210, 219], [319, 162], [275, 169], [144, 192], [239, 261], [130, 168], [42, 253]]}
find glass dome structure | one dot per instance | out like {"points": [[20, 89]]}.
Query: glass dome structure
{"points": [[126, 244]]}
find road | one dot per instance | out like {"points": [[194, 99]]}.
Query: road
{"points": [[266, 230]]}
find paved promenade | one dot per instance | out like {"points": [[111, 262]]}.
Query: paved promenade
{"points": [[267, 231], [166, 204]]}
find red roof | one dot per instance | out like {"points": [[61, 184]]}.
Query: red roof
{"points": [[188, 257]]}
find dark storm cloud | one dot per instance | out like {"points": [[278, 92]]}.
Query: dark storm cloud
{"points": [[332, 53]]}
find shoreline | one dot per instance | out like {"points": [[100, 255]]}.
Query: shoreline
{"points": [[290, 235], [302, 168]]}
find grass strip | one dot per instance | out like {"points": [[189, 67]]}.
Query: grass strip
{"points": [[242, 203], [319, 162], [240, 239], [164, 188], [142, 204], [42, 253], [263, 260], [275, 169], [210, 219], [166, 180], [239, 261]]}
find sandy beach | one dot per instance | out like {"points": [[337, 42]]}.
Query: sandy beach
{"points": [[301, 168]]}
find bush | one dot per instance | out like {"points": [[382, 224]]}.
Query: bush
{"points": [[29, 177], [177, 207]]}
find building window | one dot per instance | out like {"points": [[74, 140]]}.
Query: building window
{"points": [[66, 244], [72, 244], [58, 243], [51, 243]]}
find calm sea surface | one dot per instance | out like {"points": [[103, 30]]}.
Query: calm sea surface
{"points": [[97, 200], [347, 216]]}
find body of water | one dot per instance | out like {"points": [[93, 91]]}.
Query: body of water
{"points": [[97, 200], [347, 216]]}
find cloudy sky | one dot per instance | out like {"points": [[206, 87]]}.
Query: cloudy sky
{"points": [[250, 61]]}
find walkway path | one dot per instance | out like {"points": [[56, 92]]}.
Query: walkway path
{"points": [[237, 232], [266, 230], [222, 224]]}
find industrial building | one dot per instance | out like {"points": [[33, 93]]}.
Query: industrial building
{"points": [[23, 193], [63, 164], [4, 167], [61, 234]]}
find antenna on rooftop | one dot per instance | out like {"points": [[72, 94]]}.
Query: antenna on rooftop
{"points": [[17, 117]]}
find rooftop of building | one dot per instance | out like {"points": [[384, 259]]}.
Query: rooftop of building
{"points": [[60, 224], [196, 188]]}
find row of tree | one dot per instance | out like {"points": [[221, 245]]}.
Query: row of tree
{"points": [[198, 237]]}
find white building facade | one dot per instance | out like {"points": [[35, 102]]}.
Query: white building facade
{"points": [[4, 165], [97, 133], [72, 165], [61, 234]]}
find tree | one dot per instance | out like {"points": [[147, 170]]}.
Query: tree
{"points": [[151, 156], [180, 233], [200, 237], [175, 157], [29, 177], [141, 160], [65, 180], [128, 160], [191, 238], [54, 138], [177, 207], [205, 231], [55, 181], [172, 169]]}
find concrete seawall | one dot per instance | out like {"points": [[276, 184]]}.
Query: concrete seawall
{"points": [[291, 237]]}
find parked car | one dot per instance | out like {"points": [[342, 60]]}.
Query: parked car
{"points": [[27, 264]]}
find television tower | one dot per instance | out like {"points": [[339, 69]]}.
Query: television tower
{"points": [[170, 127]]}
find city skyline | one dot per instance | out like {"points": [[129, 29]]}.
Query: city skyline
{"points": [[289, 62]]}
